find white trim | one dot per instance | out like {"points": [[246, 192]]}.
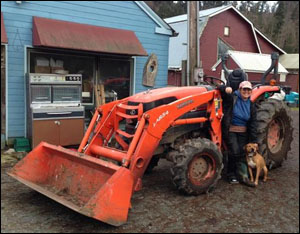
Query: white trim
{"points": [[163, 28], [163, 31], [269, 41], [258, 46], [252, 27], [25, 86], [261, 72], [220, 11], [175, 68], [214, 67]]}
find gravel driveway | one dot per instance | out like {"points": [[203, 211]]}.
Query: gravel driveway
{"points": [[271, 207]]}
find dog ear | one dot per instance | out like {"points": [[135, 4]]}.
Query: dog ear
{"points": [[256, 145]]}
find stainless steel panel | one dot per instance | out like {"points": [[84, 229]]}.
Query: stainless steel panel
{"points": [[66, 93], [40, 94], [58, 112]]}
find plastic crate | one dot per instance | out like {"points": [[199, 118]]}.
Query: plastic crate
{"points": [[22, 144]]}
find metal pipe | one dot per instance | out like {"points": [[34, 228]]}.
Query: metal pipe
{"points": [[108, 152], [224, 59], [189, 121], [88, 132], [274, 64], [135, 140]]}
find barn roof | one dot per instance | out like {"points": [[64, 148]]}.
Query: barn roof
{"points": [[162, 26], [252, 62], [290, 61], [178, 23], [202, 13]]}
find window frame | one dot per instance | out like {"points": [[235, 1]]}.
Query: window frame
{"points": [[228, 29]]}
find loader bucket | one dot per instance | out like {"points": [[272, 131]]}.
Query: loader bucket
{"points": [[88, 185]]}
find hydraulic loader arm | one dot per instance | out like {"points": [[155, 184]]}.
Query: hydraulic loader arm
{"points": [[159, 119], [149, 131]]}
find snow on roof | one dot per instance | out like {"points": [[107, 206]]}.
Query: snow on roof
{"points": [[253, 62], [290, 61]]}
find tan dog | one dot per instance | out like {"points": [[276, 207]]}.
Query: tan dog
{"points": [[255, 160]]}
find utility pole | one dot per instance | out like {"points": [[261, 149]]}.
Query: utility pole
{"points": [[193, 53]]}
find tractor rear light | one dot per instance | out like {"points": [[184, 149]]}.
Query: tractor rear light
{"points": [[272, 82]]}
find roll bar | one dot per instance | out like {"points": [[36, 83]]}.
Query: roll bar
{"points": [[274, 65], [224, 59]]}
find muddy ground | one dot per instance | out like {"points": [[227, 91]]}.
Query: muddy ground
{"points": [[158, 207]]}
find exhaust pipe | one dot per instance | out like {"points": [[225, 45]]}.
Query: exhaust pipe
{"points": [[274, 65], [224, 59]]}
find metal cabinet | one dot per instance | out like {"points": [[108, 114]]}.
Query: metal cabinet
{"points": [[58, 126]]}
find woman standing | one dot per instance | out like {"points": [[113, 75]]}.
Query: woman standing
{"points": [[239, 128]]}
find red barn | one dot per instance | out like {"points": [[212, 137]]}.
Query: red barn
{"points": [[222, 29]]}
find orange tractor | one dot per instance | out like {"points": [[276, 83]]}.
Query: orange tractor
{"points": [[127, 137]]}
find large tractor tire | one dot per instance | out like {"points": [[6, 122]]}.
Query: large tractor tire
{"points": [[153, 163], [197, 166], [275, 131]]}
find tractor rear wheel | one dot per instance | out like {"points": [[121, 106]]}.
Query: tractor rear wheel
{"points": [[275, 131], [197, 166]]}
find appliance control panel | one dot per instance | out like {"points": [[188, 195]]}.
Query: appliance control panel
{"points": [[37, 78]]}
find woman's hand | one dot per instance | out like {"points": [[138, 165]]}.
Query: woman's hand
{"points": [[228, 90]]}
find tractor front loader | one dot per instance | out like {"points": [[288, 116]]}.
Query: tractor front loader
{"points": [[98, 180]]}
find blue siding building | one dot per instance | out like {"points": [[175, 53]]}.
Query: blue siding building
{"points": [[23, 56]]}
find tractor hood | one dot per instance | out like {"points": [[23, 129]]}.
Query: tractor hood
{"points": [[169, 93]]}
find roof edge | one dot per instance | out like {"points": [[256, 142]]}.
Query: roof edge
{"points": [[231, 54], [246, 19], [277, 47], [164, 28], [4, 39]]}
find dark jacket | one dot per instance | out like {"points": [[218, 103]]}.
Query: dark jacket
{"points": [[229, 101]]}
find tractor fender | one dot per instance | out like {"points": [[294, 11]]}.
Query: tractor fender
{"points": [[257, 92]]}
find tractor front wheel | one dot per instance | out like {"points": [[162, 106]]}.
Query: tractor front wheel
{"points": [[197, 166]]}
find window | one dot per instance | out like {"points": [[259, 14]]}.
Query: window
{"points": [[226, 31], [46, 62], [222, 48], [115, 74], [282, 77]]}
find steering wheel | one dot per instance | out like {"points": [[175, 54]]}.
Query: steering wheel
{"points": [[213, 80]]}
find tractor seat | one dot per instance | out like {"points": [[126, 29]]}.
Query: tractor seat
{"points": [[236, 77]]}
